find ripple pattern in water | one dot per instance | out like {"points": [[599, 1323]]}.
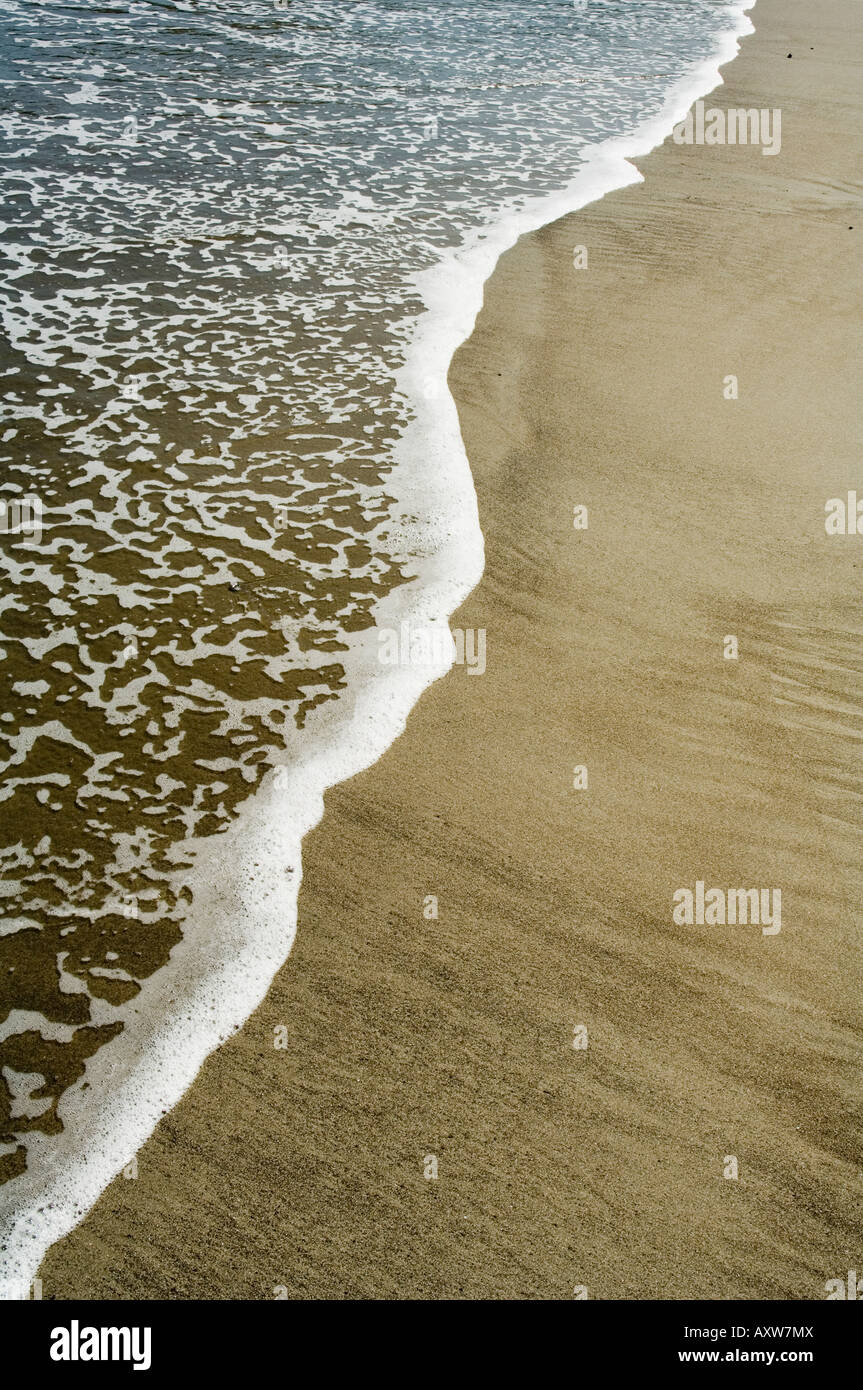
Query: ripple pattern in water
{"points": [[212, 213]]}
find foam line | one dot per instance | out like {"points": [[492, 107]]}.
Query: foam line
{"points": [[246, 881]]}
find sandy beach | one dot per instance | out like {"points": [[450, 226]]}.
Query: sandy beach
{"points": [[307, 1172]]}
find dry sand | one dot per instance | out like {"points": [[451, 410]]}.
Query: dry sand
{"points": [[411, 1037]]}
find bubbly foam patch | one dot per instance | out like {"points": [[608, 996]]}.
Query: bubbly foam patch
{"points": [[230, 321]]}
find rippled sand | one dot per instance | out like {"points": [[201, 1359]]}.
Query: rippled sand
{"points": [[303, 1169], [215, 220]]}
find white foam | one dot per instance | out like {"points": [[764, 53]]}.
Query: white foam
{"points": [[246, 881]]}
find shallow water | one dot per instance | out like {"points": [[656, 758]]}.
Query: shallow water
{"points": [[214, 220]]}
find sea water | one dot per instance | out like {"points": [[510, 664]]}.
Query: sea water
{"points": [[241, 240]]}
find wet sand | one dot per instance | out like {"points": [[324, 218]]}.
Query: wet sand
{"points": [[302, 1169]]}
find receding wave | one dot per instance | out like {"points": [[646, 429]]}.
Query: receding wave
{"points": [[217, 223]]}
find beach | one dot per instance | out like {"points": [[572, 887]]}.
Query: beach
{"points": [[507, 1071]]}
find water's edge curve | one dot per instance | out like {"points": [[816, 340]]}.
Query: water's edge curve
{"points": [[246, 881]]}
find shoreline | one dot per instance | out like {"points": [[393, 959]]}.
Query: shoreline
{"points": [[399, 1026], [244, 921]]}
